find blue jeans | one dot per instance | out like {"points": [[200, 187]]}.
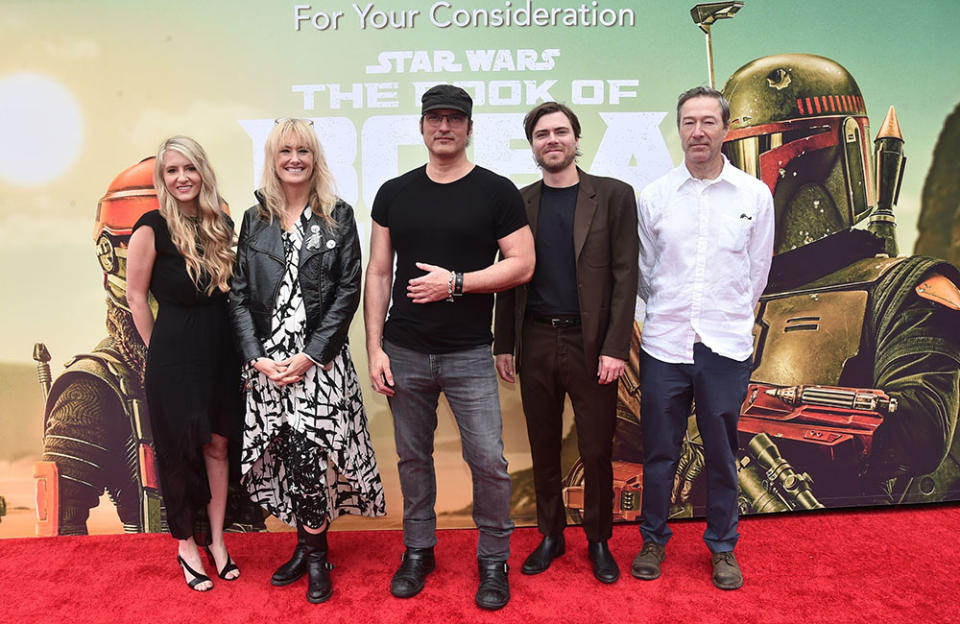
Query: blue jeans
{"points": [[719, 386], [468, 379]]}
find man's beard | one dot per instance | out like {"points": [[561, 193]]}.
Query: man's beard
{"points": [[560, 166]]}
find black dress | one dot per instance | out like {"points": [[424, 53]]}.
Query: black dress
{"points": [[192, 382]]}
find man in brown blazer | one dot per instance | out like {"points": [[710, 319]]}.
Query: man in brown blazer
{"points": [[568, 331]]}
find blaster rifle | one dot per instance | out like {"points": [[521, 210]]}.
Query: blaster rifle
{"points": [[831, 420]]}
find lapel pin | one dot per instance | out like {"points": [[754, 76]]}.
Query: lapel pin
{"points": [[314, 241]]}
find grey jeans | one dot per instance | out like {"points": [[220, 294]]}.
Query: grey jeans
{"points": [[469, 381]]}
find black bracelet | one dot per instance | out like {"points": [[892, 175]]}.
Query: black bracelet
{"points": [[458, 285]]}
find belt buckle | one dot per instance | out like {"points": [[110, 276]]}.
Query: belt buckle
{"points": [[559, 323]]}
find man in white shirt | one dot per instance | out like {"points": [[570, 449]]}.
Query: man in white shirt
{"points": [[706, 242]]}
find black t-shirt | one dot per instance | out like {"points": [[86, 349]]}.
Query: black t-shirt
{"points": [[553, 290], [455, 226]]}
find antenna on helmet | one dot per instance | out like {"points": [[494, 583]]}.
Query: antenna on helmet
{"points": [[705, 15]]}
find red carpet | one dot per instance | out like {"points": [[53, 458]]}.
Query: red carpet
{"points": [[889, 565]]}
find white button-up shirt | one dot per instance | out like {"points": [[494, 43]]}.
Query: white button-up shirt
{"points": [[705, 252]]}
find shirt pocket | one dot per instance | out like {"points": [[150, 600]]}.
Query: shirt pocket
{"points": [[733, 230]]}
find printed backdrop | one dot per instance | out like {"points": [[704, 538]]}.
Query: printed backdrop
{"points": [[89, 89]]}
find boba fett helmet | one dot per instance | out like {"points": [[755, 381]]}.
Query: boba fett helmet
{"points": [[129, 196], [799, 124]]}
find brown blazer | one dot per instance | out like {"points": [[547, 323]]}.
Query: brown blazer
{"points": [[607, 253]]}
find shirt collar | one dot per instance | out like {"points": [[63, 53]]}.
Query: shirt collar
{"points": [[683, 175]]}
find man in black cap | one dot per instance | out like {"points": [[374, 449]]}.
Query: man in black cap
{"points": [[445, 221]]}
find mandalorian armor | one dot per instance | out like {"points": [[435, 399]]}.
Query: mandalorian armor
{"points": [[96, 427], [855, 392], [97, 435], [838, 310], [866, 326]]}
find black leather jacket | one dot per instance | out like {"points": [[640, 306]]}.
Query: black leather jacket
{"points": [[329, 280]]}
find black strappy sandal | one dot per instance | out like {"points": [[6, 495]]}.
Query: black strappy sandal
{"points": [[197, 577], [229, 566]]}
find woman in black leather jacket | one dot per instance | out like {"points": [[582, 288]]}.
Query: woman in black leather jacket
{"points": [[307, 457]]}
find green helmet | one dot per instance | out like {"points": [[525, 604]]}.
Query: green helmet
{"points": [[798, 122]]}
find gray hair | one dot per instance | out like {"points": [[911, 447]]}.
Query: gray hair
{"points": [[705, 92]]}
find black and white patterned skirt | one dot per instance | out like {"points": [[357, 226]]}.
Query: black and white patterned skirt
{"points": [[307, 453]]}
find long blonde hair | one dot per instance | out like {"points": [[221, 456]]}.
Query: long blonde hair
{"points": [[322, 197], [207, 247]]}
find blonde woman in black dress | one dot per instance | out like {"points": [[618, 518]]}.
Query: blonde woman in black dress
{"points": [[183, 255], [307, 456]]}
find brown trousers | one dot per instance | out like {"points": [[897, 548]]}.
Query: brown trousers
{"points": [[553, 364]]}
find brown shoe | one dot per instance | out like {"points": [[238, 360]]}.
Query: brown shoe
{"points": [[646, 565], [726, 571]]}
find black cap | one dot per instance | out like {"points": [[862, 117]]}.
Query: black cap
{"points": [[447, 96]]}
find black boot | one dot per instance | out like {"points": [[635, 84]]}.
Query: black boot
{"points": [[319, 588], [494, 590], [605, 568], [293, 569], [410, 577], [551, 547]]}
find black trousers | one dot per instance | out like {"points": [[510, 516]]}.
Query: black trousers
{"points": [[718, 385], [552, 366]]}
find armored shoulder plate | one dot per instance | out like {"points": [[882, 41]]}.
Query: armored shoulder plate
{"points": [[808, 334], [858, 275], [84, 365], [106, 366]]}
